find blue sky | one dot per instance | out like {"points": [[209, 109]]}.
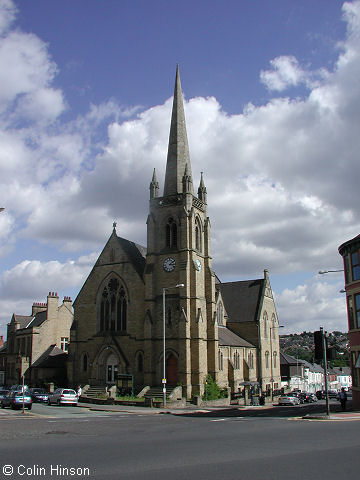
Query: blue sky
{"points": [[272, 97]]}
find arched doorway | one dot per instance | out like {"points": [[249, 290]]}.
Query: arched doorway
{"points": [[112, 368], [172, 370]]}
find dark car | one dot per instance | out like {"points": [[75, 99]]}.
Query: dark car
{"points": [[39, 395], [3, 392], [17, 400]]}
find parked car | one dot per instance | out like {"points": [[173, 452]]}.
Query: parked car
{"points": [[289, 399], [19, 388], [309, 397], [17, 400], [39, 395], [297, 395], [63, 396], [3, 392], [322, 394]]}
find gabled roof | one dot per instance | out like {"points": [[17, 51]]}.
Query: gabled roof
{"points": [[136, 253], [229, 338], [23, 320], [289, 360], [28, 321], [242, 299], [53, 357], [38, 319]]}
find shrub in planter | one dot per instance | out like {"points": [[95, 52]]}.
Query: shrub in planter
{"points": [[212, 391]]}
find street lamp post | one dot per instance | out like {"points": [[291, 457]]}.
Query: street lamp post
{"points": [[179, 285], [322, 272], [271, 361]]}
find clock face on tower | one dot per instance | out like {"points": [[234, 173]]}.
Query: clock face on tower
{"points": [[198, 264], [169, 264]]}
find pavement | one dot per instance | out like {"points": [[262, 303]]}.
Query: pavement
{"points": [[189, 409]]}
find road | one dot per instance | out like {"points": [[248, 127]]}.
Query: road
{"points": [[104, 445]]}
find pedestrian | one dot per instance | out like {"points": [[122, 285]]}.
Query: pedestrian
{"points": [[343, 398], [79, 392]]}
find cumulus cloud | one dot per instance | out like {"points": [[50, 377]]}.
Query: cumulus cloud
{"points": [[30, 281], [280, 190], [286, 72], [312, 304]]}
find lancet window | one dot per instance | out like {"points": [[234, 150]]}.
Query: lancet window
{"points": [[198, 243], [171, 233], [113, 307]]}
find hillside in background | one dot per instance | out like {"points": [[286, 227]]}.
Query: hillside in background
{"points": [[301, 345]]}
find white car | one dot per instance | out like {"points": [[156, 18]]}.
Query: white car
{"points": [[63, 396], [289, 400]]}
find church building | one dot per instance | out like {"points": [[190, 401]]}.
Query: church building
{"points": [[134, 294]]}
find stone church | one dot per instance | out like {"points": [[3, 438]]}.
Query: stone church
{"points": [[133, 293]]}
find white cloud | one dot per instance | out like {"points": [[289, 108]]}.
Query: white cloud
{"points": [[7, 15], [286, 72], [281, 188], [311, 305], [31, 280]]}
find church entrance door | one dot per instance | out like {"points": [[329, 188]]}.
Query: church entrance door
{"points": [[112, 368], [172, 370]]}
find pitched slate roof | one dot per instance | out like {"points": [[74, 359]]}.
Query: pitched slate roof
{"points": [[23, 320], [52, 357], [136, 253], [289, 360], [27, 321], [242, 299], [38, 319], [229, 338]]}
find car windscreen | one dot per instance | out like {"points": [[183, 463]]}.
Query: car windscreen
{"points": [[68, 392]]}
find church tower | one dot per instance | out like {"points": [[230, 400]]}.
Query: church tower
{"points": [[179, 261]]}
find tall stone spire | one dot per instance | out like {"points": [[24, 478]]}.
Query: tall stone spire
{"points": [[178, 159], [154, 186], [202, 194]]}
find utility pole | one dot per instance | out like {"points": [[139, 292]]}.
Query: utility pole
{"points": [[323, 334]]}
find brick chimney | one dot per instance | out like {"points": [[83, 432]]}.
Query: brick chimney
{"points": [[38, 307], [1, 340]]}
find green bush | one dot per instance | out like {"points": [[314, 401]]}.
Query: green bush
{"points": [[212, 391]]}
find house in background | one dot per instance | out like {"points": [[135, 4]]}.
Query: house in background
{"points": [[292, 373], [30, 336], [343, 377]]}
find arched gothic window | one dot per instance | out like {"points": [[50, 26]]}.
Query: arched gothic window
{"points": [[140, 363], [220, 313], [273, 321], [171, 233], [221, 360], [168, 316], [251, 360], [275, 359], [84, 363], [113, 307], [267, 359], [265, 318], [198, 242]]}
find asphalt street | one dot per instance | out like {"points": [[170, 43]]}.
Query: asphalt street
{"points": [[78, 443]]}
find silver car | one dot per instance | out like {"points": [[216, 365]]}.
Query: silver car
{"points": [[63, 396], [289, 400]]}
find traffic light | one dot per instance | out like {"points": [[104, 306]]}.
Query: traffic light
{"points": [[318, 342]]}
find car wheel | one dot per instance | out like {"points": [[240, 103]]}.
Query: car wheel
{"points": [[58, 403], [48, 402], [29, 407], [2, 405]]}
